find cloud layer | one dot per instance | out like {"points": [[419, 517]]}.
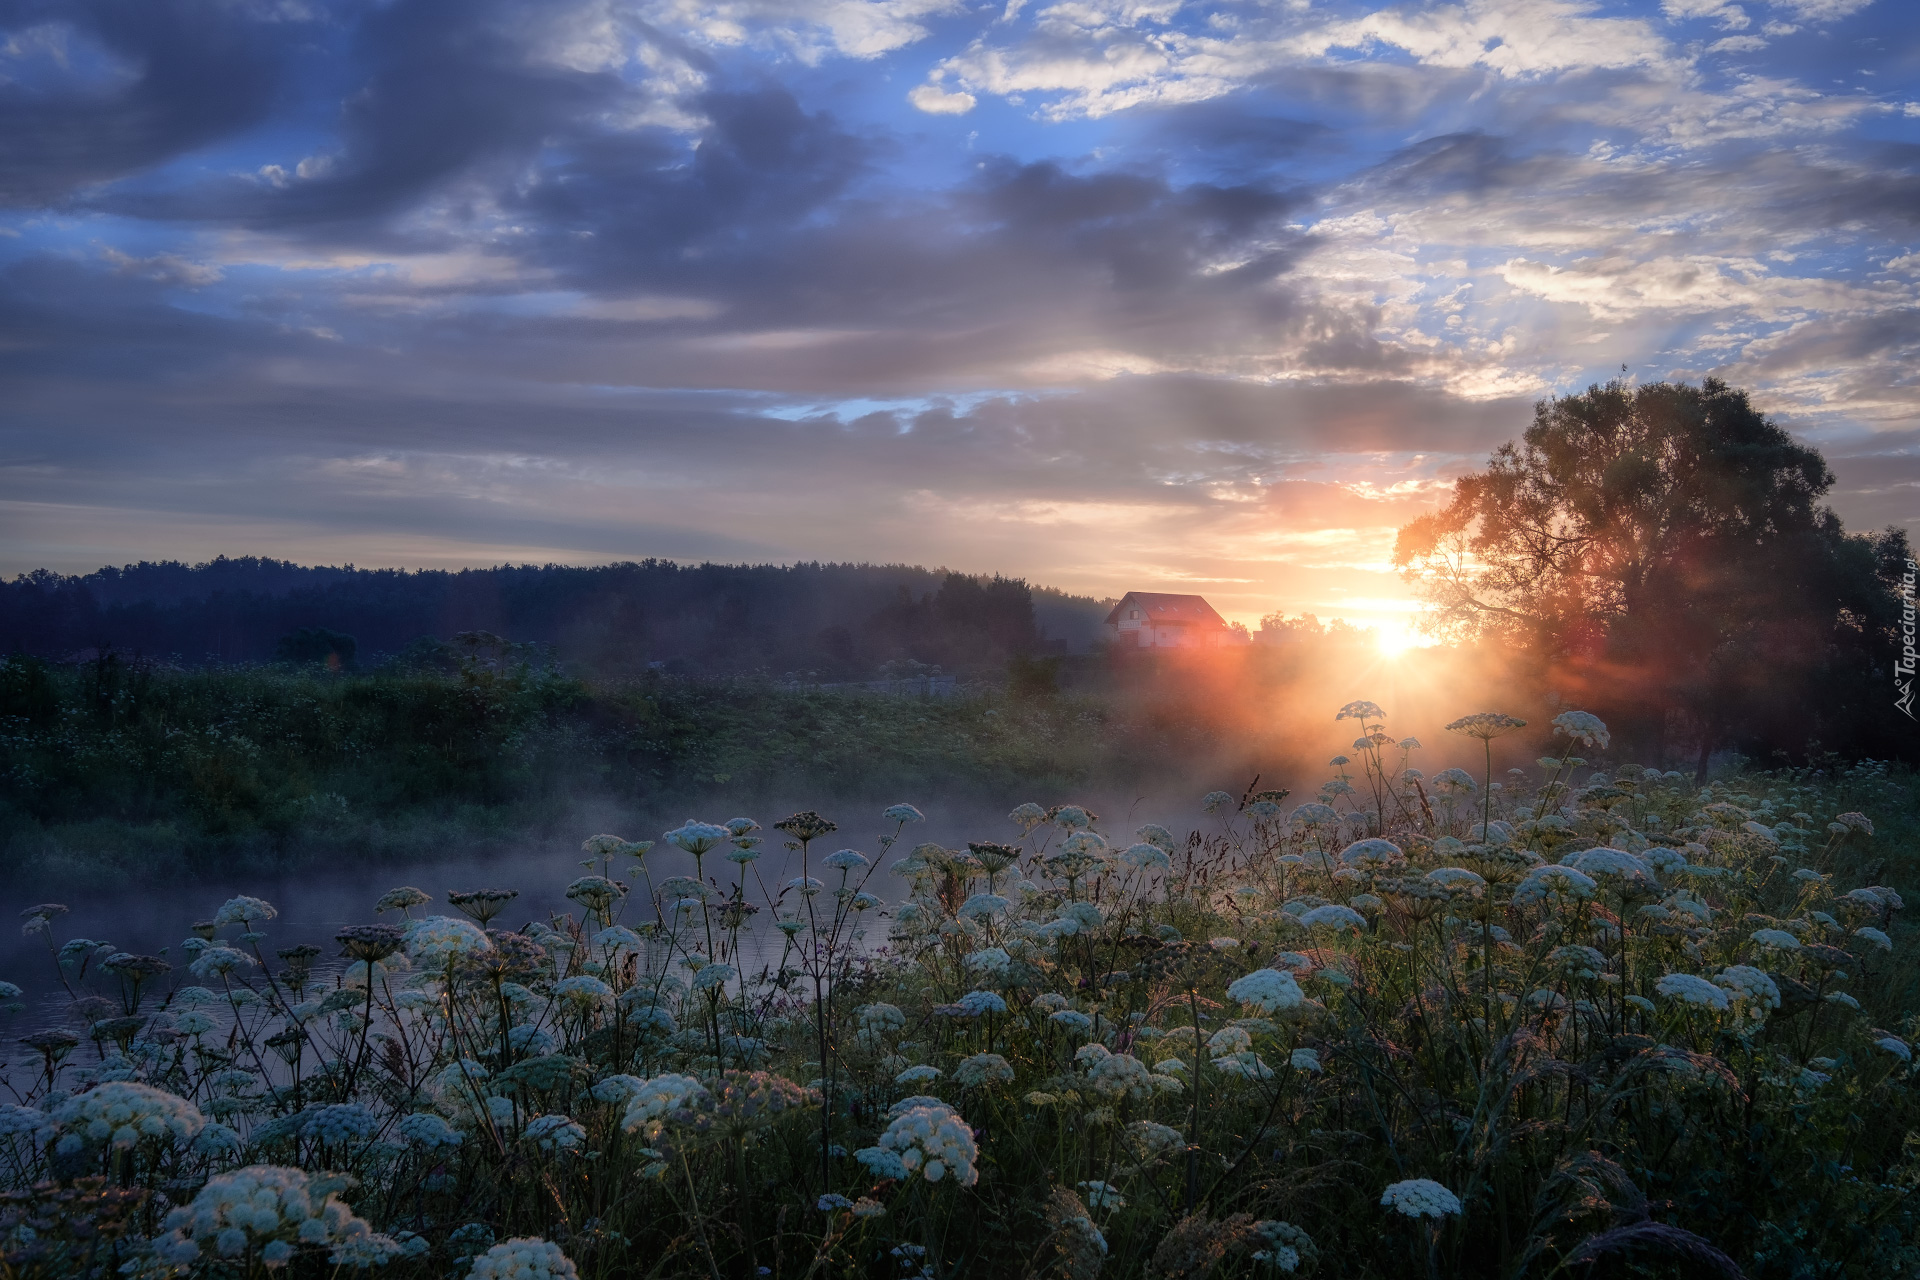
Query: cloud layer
{"points": [[1111, 293]]}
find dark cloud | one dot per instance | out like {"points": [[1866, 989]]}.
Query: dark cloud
{"points": [[129, 84]]}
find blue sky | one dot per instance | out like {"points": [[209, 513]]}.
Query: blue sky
{"points": [[1106, 293]]}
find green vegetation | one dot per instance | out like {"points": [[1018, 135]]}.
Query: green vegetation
{"points": [[112, 768], [1586, 1023]]}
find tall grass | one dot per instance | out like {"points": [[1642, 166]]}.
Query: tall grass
{"points": [[1413, 1026], [112, 769]]}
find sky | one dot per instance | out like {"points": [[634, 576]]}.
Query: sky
{"points": [[1108, 294]]}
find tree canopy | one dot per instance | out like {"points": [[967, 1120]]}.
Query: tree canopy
{"points": [[1665, 550]]}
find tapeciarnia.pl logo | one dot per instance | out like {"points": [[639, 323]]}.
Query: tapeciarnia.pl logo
{"points": [[1904, 665]]}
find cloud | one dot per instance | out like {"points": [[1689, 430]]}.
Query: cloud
{"points": [[1101, 291], [934, 100]]}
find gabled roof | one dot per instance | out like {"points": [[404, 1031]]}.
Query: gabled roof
{"points": [[1163, 609]]}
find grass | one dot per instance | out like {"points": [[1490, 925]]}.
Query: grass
{"points": [[1629, 1026], [110, 770]]}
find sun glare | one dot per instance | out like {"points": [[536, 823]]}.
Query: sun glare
{"points": [[1396, 639]]}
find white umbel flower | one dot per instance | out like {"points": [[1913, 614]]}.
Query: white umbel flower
{"points": [[929, 1140], [1420, 1198], [1267, 991], [523, 1258]]}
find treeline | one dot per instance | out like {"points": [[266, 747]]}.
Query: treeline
{"points": [[810, 621]]}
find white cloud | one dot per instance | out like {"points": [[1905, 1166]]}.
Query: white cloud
{"points": [[934, 100]]}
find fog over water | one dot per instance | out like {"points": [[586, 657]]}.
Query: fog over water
{"points": [[315, 901]]}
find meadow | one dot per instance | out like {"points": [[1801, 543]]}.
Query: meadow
{"points": [[114, 770], [1564, 1016]]}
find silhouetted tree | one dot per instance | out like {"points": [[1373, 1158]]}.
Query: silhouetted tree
{"points": [[1664, 547]]}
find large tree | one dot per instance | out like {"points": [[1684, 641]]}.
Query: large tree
{"points": [[1665, 550]]}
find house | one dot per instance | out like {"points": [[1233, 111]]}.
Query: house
{"points": [[1155, 620]]}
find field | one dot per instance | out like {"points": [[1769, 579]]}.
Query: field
{"points": [[112, 771], [1487, 1022]]}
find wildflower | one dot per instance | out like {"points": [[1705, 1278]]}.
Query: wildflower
{"points": [[876, 1019], [439, 941], [1553, 884], [1777, 939], [922, 1074], [714, 976], [930, 1140], [273, 1209], [806, 826], [1119, 1075], [1267, 990], [582, 990], [1333, 916], [1689, 989], [217, 962], [1576, 961], [1027, 816], [123, 1113], [245, 910], [982, 1069], [1156, 835], [596, 893], [1663, 860], [523, 1258], [1103, 1195], [1456, 881], [697, 837], [334, 1123], [1229, 1040], [806, 886], [1420, 1198], [555, 1133], [1583, 727], [1855, 822], [1305, 1060], [994, 961], [658, 1101], [1314, 814], [1373, 855], [1748, 985], [1362, 711], [832, 1201], [1151, 1140], [1073, 817], [975, 1003], [903, 813], [424, 1129], [1146, 857], [1621, 871], [1215, 801], [1876, 936], [1486, 725], [868, 1207], [400, 900], [844, 860], [1895, 1046], [1072, 1021], [1246, 1064], [983, 906]]}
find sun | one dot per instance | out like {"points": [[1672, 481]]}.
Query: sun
{"points": [[1396, 639]]}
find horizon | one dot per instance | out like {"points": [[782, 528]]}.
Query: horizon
{"points": [[1207, 298]]}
